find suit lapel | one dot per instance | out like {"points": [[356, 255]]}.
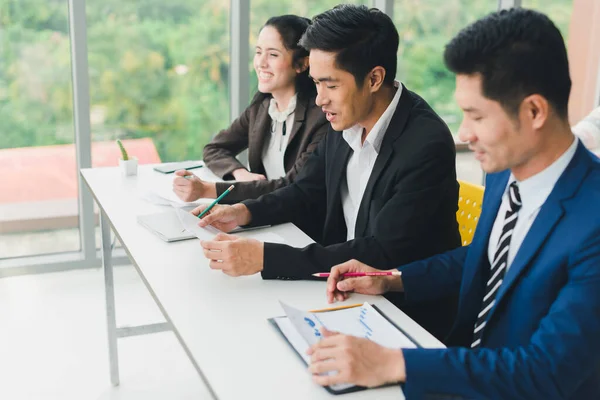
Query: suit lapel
{"points": [[260, 132], [545, 222], [338, 169], [385, 154], [393, 132], [299, 117]]}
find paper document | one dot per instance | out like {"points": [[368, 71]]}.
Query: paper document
{"points": [[189, 222], [302, 329], [165, 225], [363, 321], [263, 236], [157, 199], [178, 224]]}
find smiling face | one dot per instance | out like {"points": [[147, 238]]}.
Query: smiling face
{"points": [[342, 101], [273, 63], [498, 140]]}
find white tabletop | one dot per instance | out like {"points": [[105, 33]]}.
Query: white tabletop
{"points": [[223, 320]]}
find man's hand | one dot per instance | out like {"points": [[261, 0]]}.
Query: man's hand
{"points": [[233, 255], [243, 175], [188, 187], [338, 287], [223, 217], [357, 361]]}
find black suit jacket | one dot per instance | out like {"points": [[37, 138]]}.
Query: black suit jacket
{"points": [[407, 213]]}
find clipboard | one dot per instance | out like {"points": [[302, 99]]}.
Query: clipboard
{"points": [[353, 388]]}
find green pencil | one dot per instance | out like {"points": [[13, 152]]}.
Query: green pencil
{"points": [[214, 203]]}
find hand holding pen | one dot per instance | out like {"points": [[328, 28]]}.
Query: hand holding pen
{"points": [[354, 276], [357, 274], [189, 187]]}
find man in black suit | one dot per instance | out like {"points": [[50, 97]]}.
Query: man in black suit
{"points": [[380, 188]]}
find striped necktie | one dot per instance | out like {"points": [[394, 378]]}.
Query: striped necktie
{"points": [[499, 263]]}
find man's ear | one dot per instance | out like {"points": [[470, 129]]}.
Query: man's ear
{"points": [[375, 78], [536, 110], [302, 65]]}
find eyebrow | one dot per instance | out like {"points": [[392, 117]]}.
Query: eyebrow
{"points": [[471, 109], [324, 79], [269, 49]]}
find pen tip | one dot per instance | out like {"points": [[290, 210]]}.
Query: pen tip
{"points": [[231, 187], [315, 275]]}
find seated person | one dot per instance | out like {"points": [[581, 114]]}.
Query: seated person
{"points": [[588, 130], [528, 323], [381, 187], [280, 128]]}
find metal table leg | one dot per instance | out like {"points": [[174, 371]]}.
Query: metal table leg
{"points": [[109, 288]]}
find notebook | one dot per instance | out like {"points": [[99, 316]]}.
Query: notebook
{"points": [[177, 224], [302, 329], [166, 226]]}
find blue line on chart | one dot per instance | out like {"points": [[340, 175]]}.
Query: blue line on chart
{"points": [[365, 325], [318, 319]]}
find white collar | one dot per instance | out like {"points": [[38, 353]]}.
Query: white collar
{"points": [[353, 134], [281, 116], [535, 190]]}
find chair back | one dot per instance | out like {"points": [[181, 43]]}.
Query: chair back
{"points": [[470, 197]]}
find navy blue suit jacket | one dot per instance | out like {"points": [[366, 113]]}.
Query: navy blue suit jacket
{"points": [[542, 338]]}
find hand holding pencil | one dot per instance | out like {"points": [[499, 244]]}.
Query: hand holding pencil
{"points": [[354, 276], [222, 217]]}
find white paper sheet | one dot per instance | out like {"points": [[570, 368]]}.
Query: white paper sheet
{"points": [[172, 201], [190, 223], [263, 236], [362, 321]]}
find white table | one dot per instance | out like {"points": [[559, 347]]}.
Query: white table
{"points": [[220, 321]]}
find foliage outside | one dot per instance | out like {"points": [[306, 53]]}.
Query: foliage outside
{"points": [[160, 69]]}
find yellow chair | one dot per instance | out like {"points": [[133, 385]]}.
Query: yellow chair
{"points": [[470, 197]]}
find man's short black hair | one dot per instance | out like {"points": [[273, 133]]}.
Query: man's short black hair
{"points": [[517, 52], [363, 38]]}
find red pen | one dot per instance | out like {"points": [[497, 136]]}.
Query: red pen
{"points": [[357, 274]]}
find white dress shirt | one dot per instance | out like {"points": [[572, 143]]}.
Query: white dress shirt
{"points": [[588, 130], [534, 191], [361, 162], [276, 143]]}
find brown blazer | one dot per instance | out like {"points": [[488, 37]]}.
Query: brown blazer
{"points": [[249, 131]]}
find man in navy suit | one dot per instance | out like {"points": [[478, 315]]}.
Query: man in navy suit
{"points": [[528, 324]]}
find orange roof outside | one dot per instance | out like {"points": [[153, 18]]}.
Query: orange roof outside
{"points": [[49, 172]]}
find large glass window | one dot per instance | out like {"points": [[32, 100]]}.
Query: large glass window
{"points": [[425, 27], [158, 76], [38, 174]]}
